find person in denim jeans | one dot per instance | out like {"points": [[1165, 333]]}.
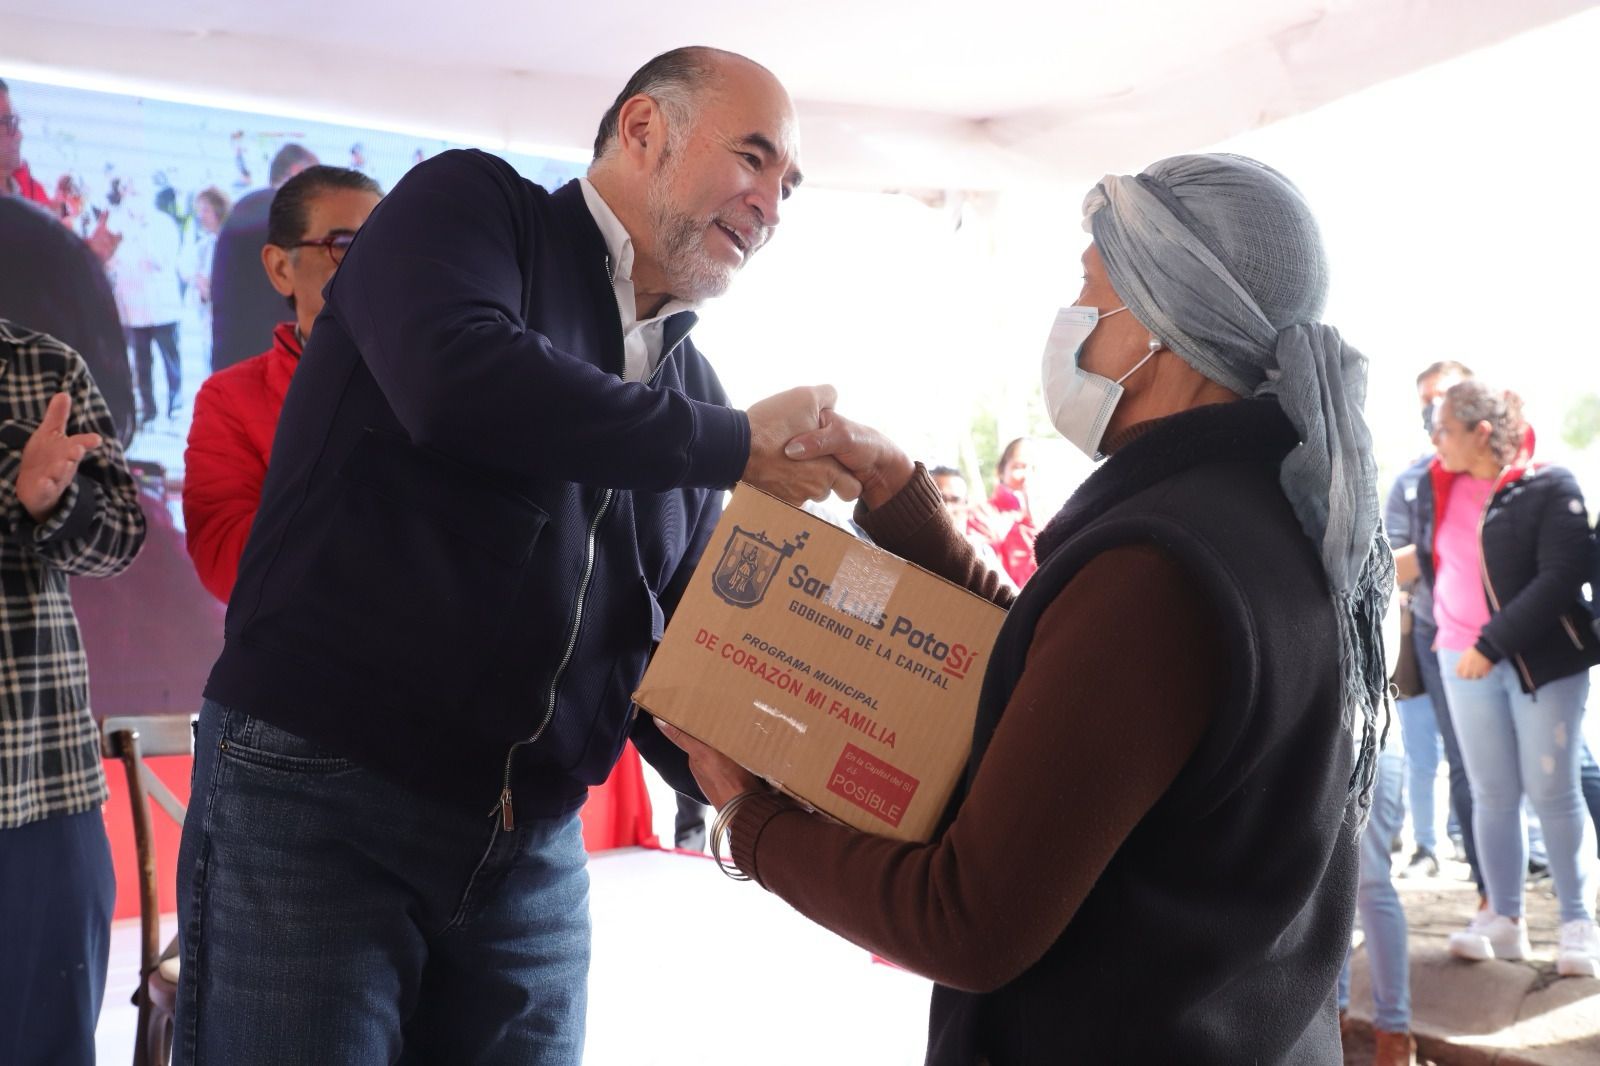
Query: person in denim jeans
{"points": [[424, 943], [1425, 717], [494, 473], [1383, 920], [1510, 551]]}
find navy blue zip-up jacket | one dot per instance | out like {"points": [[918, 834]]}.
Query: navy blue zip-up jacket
{"points": [[472, 529], [1537, 549]]}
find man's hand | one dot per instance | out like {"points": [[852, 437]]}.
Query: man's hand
{"points": [[103, 242], [875, 461], [1406, 567], [773, 422], [50, 459], [1473, 665], [720, 778]]}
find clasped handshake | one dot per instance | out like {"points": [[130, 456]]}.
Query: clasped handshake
{"points": [[801, 449]]}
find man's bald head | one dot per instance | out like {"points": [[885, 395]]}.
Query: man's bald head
{"points": [[678, 81]]}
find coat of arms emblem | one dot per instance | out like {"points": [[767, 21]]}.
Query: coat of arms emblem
{"points": [[748, 564]]}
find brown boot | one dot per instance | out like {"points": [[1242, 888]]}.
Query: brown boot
{"points": [[1393, 1049]]}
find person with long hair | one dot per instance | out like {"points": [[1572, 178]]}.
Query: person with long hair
{"points": [[1509, 550]]}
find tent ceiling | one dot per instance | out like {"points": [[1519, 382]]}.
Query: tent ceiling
{"points": [[892, 93]]}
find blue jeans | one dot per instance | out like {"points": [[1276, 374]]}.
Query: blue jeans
{"points": [[1382, 917], [1516, 744], [1422, 636], [57, 893], [1423, 752], [329, 915], [1589, 781]]}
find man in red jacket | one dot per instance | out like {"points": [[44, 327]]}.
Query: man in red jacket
{"points": [[14, 177], [313, 219]]}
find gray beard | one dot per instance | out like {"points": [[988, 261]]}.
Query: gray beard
{"points": [[692, 273]]}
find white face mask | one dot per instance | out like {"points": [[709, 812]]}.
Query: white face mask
{"points": [[1081, 403]]}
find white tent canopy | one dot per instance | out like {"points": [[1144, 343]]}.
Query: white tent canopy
{"points": [[892, 94]]}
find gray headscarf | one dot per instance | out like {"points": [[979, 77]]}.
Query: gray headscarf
{"points": [[1219, 257]]}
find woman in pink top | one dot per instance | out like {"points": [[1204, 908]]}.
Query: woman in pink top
{"points": [[1510, 552]]}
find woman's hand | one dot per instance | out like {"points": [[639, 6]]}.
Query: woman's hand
{"points": [[1473, 665], [720, 777], [872, 458]]}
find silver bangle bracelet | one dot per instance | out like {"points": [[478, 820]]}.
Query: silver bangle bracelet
{"points": [[722, 832]]}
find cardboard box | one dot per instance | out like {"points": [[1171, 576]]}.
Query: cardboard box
{"points": [[842, 674]]}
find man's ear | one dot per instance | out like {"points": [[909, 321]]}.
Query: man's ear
{"points": [[641, 130], [280, 272]]}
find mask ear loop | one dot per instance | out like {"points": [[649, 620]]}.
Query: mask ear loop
{"points": [[1154, 347]]}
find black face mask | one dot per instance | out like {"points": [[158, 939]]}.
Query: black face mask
{"points": [[1430, 416]]}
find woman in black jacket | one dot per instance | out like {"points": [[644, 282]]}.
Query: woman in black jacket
{"points": [[1510, 552], [1191, 681]]}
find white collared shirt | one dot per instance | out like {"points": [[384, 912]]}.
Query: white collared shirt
{"points": [[641, 341]]}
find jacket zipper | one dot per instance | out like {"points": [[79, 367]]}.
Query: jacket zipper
{"points": [[1488, 585], [591, 549], [507, 822]]}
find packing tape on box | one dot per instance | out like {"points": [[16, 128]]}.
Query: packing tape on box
{"points": [[865, 581], [776, 715]]}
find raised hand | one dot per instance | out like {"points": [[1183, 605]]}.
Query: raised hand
{"points": [[103, 242], [773, 422], [50, 459], [876, 462]]}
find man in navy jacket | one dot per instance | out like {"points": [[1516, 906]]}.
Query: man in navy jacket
{"points": [[495, 469]]}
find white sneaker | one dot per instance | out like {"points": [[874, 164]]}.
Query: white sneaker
{"points": [[1491, 936], [1579, 954]]}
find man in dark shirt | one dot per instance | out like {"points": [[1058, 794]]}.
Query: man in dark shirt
{"points": [[496, 466]]}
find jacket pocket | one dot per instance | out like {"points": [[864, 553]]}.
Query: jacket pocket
{"points": [[410, 581], [1572, 632], [1585, 637]]}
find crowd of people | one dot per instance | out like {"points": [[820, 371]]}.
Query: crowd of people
{"points": [[156, 244], [1493, 551], [456, 496]]}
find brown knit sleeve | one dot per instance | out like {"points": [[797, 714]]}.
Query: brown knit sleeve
{"points": [[1122, 678], [913, 524]]}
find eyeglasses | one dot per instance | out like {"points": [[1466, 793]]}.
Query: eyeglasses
{"points": [[10, 123], [335, 244]]}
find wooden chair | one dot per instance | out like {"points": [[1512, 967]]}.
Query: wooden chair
{"points": [[132, 740]]}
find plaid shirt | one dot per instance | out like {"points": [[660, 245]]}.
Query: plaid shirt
{"points": [[49, 748]]}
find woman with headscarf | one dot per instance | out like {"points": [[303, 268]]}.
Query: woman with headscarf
{"points": [[1509, 551], [1152, 857]]}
